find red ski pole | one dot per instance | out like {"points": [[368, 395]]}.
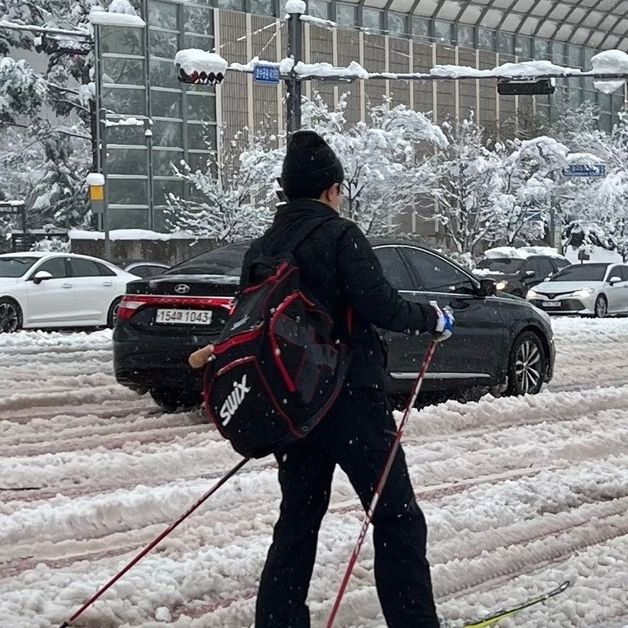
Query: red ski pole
{"points": [[152, 544], [382, 482]]}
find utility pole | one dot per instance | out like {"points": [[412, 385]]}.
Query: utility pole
{"points": [[293, 82]]}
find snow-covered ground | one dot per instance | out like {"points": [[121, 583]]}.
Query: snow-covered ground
{"points": [[520, 494]]}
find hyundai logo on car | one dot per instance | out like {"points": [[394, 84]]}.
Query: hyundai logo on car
{"points": [[182, 288]]}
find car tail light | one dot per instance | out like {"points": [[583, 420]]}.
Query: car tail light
{"points": [[132, 303]]}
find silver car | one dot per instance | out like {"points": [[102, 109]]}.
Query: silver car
{"points": [[596, 289]]}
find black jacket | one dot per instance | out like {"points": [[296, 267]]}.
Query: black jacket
{"points": [[339, 268]]}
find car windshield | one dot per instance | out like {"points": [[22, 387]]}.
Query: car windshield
{"points": [[15, 266], [226, 260], [505, 265], [582, 272]]}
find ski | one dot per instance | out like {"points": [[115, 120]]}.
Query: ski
{"points": [[491, 620]]}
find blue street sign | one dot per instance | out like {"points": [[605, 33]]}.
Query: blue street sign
{"points": [[268, 74], [582, 170]]}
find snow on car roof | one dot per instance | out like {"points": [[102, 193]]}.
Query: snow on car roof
{"points": [[524, 252]]}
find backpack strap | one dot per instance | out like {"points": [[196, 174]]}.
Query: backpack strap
{"points": [[306, 231]]}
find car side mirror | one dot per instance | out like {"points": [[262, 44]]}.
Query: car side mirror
{"points": [[41, 275], [487, 288], [614, 279], [530, 273]]}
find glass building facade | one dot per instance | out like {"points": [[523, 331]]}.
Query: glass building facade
{"points": [[139, 77], [139, 80]]}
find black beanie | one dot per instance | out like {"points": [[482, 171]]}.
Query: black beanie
{"points": [[310, 166]]}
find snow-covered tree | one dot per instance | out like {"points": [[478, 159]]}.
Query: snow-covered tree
{"points": [[385, 173], [235, 192], [60, 195], [386, 170], [467, 181]]}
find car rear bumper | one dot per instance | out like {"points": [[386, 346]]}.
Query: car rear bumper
{"points": [[142, 362]]}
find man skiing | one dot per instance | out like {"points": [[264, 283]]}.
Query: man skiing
{"points": [[340, 269]]}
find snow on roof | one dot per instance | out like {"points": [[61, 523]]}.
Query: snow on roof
{"points": [[195, 60], [296, 6], [26, 254], [609, 62], [108, 18], [317, 21], [127, 234], [507, 70], [95, 178], [511, 252], [353, 70]]}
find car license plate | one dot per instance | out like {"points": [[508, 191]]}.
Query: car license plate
{"points": [[183, 317], [552, 303]]}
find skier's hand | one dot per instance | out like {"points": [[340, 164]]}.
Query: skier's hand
{"points": [[200, 358], [445, 323]]}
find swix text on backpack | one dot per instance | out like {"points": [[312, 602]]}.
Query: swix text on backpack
{"points": [[234, 400]]}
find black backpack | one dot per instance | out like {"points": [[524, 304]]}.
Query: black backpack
{"points": [[277, 368]]}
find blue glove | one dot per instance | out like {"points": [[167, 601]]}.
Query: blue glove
{"points": [[445, 323]]}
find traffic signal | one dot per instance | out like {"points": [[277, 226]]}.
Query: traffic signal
{"points": [[201, 78], [506, 87]]}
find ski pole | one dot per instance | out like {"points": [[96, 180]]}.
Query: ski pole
{"points": [[152, 544], [381, 483]]}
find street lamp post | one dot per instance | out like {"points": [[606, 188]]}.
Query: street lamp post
{"points": [[293, 82]]}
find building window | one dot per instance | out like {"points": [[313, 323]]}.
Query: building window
{"points": [[267, 7], [163, 44], [230, 5], [523, 46], [318, 8], [442, 31], [486, 38], [505, 42], [397, 25], [541, 49], [166, 104], [420, 28], [122, 71], [198, 21], [372, 19], [575, 56], [466, 36], [163, 15], [118, 40], [345, 14]]}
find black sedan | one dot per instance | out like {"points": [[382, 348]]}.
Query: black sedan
{"points": [[501, 342]]}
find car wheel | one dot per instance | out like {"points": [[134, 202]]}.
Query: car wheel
{"points": [[172, 399], [601, 307], [112, 315], [526, 365], [10, 316]]}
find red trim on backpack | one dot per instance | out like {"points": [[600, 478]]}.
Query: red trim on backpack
{"points": [[275, 345], [272, 279], [234, 341]]}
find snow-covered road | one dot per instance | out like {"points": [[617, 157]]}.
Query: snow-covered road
{"points": [[520, 494]]}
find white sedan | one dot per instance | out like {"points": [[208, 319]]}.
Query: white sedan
{"points": [[593, 289], [39, 290]]}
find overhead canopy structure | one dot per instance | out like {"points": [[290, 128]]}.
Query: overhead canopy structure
{"points": [[598, 24]]}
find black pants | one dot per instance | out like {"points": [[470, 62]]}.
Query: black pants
{"points": [[357, 435]]}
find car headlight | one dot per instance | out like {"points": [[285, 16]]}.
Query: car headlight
{"points": [[532, 294], [501, 285], [584, 293]]}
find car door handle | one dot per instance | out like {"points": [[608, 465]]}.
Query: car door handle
{"points": [[66, 285], [107, 283]]}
